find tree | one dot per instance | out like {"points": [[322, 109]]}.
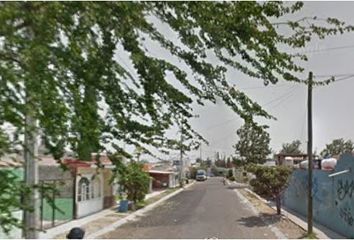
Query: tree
{"points": [[337, 147], [74, 61], [291, 148], [253, 144], [61, 65], [270, 181], [134, 181]]}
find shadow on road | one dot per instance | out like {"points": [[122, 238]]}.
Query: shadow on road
{"points": [[264, 219]]}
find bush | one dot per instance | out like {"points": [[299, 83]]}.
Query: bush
{"points": [[230, 173], [270, 181], [232, 178], [135, 182]]}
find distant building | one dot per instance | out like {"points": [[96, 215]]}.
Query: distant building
{"points": [[296, 159], [282, 158], [269, 163], [165, 174]]}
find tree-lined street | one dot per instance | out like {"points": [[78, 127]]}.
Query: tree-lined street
{"points": [[205, 210], [112, 91]]}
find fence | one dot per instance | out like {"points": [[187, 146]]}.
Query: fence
{"points": [[333, 198], [60, 208]]}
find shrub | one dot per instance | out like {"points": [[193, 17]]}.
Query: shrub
{"points": [[232, 178], [135, 182], [270, 181], [230, 173]]}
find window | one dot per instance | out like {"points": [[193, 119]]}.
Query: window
{"points": [[84, 189]]}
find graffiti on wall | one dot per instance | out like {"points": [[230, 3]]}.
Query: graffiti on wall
{"points": [[345, 189], [346, 214], [333, 197]]}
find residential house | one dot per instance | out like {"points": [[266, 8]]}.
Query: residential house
{"points": [[163, 174], [81, 189]]}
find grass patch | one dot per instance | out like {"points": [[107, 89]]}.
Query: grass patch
{"points": [[309, 236]]}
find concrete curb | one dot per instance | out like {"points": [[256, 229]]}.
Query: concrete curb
{"points": [[273, 228], [64, 228], [134, 215], [299, 222]]}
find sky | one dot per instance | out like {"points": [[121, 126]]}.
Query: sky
{"points": [[332, 112]]}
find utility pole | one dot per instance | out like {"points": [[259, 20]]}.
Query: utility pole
{"points": [[31, 199], [309, 153], [181, 156], [31, 217]]}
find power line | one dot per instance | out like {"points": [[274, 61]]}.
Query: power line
{"points": [[335, 75], [263, 87], [281, 97], [287, 99], [341, 79], [329, 49], [344, 78]]}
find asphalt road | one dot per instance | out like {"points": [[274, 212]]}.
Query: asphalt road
{"points": [[205, 210]]}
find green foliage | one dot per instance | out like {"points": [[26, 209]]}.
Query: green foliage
{"points": [[253, 144], [134, 181], [270, 181], [291, 148], [337, 147], [230, 173], [71, 52], [60, 63], [11, 189], [232, 178], [4, 143]]}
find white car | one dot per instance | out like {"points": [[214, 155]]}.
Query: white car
{"points": [[201, 175]]}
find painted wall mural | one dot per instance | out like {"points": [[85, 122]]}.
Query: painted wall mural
{"points": [[333, 197]]}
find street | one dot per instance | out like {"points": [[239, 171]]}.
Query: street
{"points": [[205, 210]]}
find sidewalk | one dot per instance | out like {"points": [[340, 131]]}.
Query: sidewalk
{"points": [[94, 223], [321, 231]]}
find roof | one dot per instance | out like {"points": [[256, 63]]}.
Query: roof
{"points": [[15, 160], [161, 172], [147, 167], [292, 154], [11, 160]]}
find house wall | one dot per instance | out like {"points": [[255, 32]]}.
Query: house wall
{"points": [[333, 197], [91, 205], [108, 189], [64, 201], [53, 172]]}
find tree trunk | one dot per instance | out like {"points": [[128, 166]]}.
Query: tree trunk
{"points": [[278, 204]]}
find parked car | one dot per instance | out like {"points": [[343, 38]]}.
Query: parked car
{"points": [[201, 175]]}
